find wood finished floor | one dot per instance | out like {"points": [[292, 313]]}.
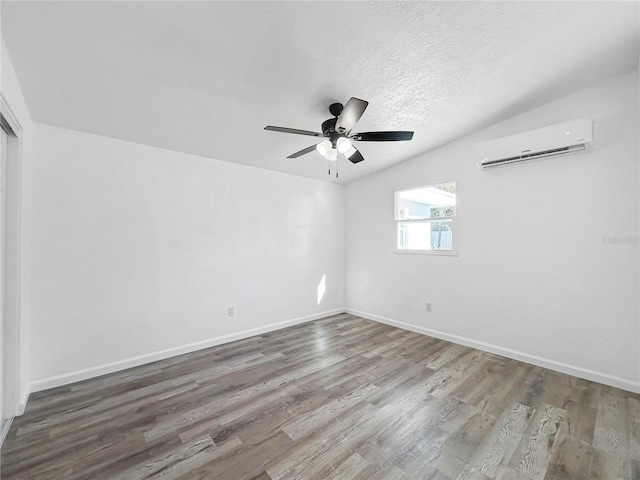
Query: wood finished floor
{"points": [[338, 398]]}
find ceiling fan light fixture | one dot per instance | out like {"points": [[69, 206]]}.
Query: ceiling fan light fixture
{"points": [[344, 145], [324, 147], [332, 155]]}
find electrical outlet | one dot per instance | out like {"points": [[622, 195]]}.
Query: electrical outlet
{"points": [[428, 306], [231, 311]]}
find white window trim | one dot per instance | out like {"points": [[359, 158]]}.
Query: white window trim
{"points": [[397, 222]]}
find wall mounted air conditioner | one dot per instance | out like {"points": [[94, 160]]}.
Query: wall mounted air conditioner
{"points": [[560, 139]]}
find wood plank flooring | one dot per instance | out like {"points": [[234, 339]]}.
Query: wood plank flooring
{"points": [[337, 398]]}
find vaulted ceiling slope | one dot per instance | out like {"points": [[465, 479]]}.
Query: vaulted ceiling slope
{"points": [[206, 77]]}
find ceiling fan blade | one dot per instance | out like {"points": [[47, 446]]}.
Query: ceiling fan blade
{"points": [[355, 156], [304, 151], [351, 113], [382, 136], [293, 130]]}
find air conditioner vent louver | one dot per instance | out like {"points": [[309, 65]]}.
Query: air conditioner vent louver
{"points": [[533, 156], [560, 139]]}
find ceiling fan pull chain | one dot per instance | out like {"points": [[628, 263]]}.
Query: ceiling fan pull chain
{"points": [[329, 167], [337, 168]]}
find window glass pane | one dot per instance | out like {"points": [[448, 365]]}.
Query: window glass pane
{"points": [[437, 235], [426, 202]]}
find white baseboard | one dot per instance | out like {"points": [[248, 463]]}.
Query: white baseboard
{"points": [[585, 373], [5, 430], [91, 372], [84, 374]]}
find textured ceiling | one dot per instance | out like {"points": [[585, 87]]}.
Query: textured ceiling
{"points": [[206, 77]]}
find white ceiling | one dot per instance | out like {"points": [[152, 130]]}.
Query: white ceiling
{"points": [[206, 77]]}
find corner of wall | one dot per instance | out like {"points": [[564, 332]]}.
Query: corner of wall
{"points": [[24, 399]]}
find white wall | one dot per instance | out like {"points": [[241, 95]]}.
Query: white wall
{"points": [[12, 96], [137, 251], [534, 279], [131, 253]]}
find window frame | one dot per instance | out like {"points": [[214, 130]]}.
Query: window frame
{"points": [[396, 224]]}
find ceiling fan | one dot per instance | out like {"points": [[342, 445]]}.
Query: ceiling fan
{"points": [[337, 131]]}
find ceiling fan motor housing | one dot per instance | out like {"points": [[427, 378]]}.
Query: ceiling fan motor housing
{"points": [[329, 126]]}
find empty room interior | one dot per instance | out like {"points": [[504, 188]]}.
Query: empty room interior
{"points": [[320, 240]]}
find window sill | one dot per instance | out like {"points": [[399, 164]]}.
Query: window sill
{"points": [[446, 253]]}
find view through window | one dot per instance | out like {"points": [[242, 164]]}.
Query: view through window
{"points": [[426, 219]]}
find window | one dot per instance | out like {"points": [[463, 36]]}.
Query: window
{"points": [[425, 220]]}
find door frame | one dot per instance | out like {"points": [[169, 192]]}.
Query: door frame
{"points": [[12, 362]]}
